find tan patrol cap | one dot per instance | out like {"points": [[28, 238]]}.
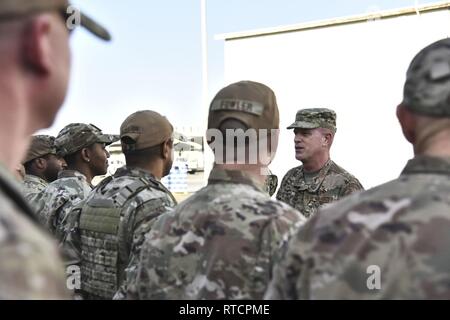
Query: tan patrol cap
{"points": [[251, 102], [144, 129], [10, 9], [40, 146]]}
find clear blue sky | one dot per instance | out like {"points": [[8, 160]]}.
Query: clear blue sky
{"points": [[154, 60]]}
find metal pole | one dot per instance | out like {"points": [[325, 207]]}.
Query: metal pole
{"points": [[208, 156], [204, 53]]}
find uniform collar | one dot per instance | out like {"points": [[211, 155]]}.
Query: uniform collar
{"points": [[316, 182], [427, 164], [36, 179], [73, 174], [234, 176], [135, 172], [70, 174], [143, 174]]}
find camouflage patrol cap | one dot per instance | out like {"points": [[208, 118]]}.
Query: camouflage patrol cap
{"points": [[427, 86], [144, 129], [77, 136], [251, 102], [315, 118], [40, 146], [10, 9]]}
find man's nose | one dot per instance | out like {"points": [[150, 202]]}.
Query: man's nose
{"points": [[63, 162]]}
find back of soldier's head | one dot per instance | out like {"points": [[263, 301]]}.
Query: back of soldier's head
{"points": [[427, 86], [427, 97], [242, 118], [142, 135]]}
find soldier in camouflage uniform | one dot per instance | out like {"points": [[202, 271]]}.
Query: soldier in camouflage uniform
{"points": [[42, 165], [319, 180], [83, 148], [30, 267], [391, 242], [112, 221], [221, 242]]}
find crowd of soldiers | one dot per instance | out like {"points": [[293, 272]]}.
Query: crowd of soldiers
{"points": [[128, 238]]}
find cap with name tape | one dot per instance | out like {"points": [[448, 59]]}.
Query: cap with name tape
{"points": [[251, 102]]}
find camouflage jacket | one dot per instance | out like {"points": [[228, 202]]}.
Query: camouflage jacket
{"points": [[60, 196], [31, 187], [30, 267], [220, 243], [391, 242], [331, 183], [139, 209]]}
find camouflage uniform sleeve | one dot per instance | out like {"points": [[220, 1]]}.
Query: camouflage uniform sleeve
{"points": [[125, 291], [142, 280], [53, 203], [37, 202], [30, 267], [274, 242], [70, 239], [138, 225], [290, 267], [284, 186], [353, 185], [144, 218]]}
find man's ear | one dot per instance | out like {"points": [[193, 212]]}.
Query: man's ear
{"points": [[167, 149], [85, 155], [407, 122], [36, 53], [40, 163], [327, 139]]}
